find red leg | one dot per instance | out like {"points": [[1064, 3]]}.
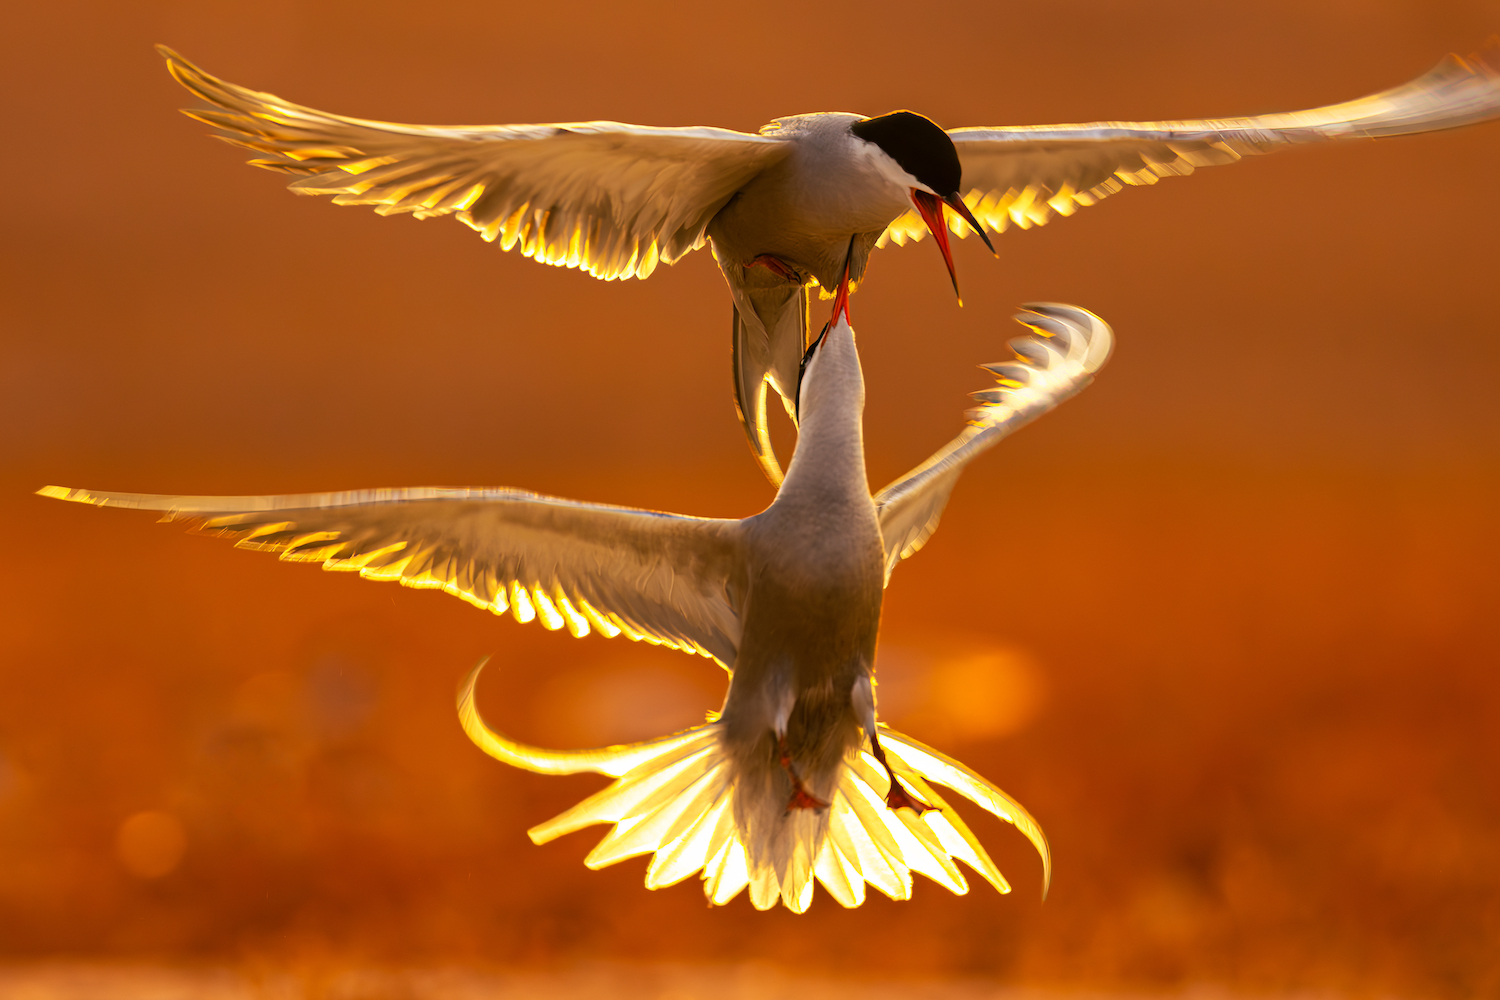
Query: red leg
{"points": [[898, 797], [801, 797]]}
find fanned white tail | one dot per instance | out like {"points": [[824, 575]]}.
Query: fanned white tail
{"points": [[673, 798]]}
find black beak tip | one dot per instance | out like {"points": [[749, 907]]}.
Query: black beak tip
{"points": [[956, 202]]}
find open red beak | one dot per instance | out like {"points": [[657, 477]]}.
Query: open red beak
{"points": [[841, 297], [930, 206]]}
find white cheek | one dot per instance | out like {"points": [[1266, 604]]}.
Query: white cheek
{"points": [[880, 162]]}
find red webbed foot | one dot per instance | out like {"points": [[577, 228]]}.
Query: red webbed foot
{"points": [[801, 797], [776, 266], [898, 797]]}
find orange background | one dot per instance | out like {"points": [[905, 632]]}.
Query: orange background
{"points": [[1234, 607]]}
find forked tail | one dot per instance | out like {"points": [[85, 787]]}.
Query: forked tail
{"points": [[673, 797]]}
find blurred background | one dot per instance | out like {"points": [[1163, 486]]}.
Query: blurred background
{"points": [[1225, 624]]}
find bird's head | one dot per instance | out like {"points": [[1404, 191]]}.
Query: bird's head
{"points": [[927, 165]]}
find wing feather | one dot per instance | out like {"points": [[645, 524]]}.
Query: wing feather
{"points": [[605, 197], [1057, 360], [663, 578], [1024, 175]]}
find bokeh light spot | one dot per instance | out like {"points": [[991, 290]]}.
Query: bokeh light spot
{"points": [[151, 844], [986, 694], [958, 690]]}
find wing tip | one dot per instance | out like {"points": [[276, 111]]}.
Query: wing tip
{"points": [[1484, 61], [67, 493], [1057, 335], [1097, 334], [178, 65]]}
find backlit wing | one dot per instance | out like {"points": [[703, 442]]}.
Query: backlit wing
{"points": [[1056, 360], [667, 579], [607, 198], [1024, 175]]}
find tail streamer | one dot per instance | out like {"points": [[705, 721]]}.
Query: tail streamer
{"points": [[673, 798]]}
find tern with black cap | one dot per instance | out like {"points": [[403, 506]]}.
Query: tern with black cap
{"points": [[786, 207]]}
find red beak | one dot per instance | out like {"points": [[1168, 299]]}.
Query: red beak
{"points": [[930, 206], [841, 297]]}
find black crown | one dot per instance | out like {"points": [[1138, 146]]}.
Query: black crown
{"points": [[919, 145]]}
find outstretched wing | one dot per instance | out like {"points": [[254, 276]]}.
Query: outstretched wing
{"points": [[607, 198], [667, 579], [1023, 175], [1056, 360]]}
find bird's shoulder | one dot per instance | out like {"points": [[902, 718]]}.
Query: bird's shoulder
{"points": [[815, 125]]}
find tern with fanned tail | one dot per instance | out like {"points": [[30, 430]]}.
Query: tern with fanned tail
{"points": [[794, 780], [787, 207]]}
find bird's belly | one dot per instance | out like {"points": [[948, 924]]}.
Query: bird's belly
{"points": [[810, 623], [806, 219]]}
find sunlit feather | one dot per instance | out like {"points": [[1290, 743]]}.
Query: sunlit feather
{"points": [[671, 799], [603, 197]]}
